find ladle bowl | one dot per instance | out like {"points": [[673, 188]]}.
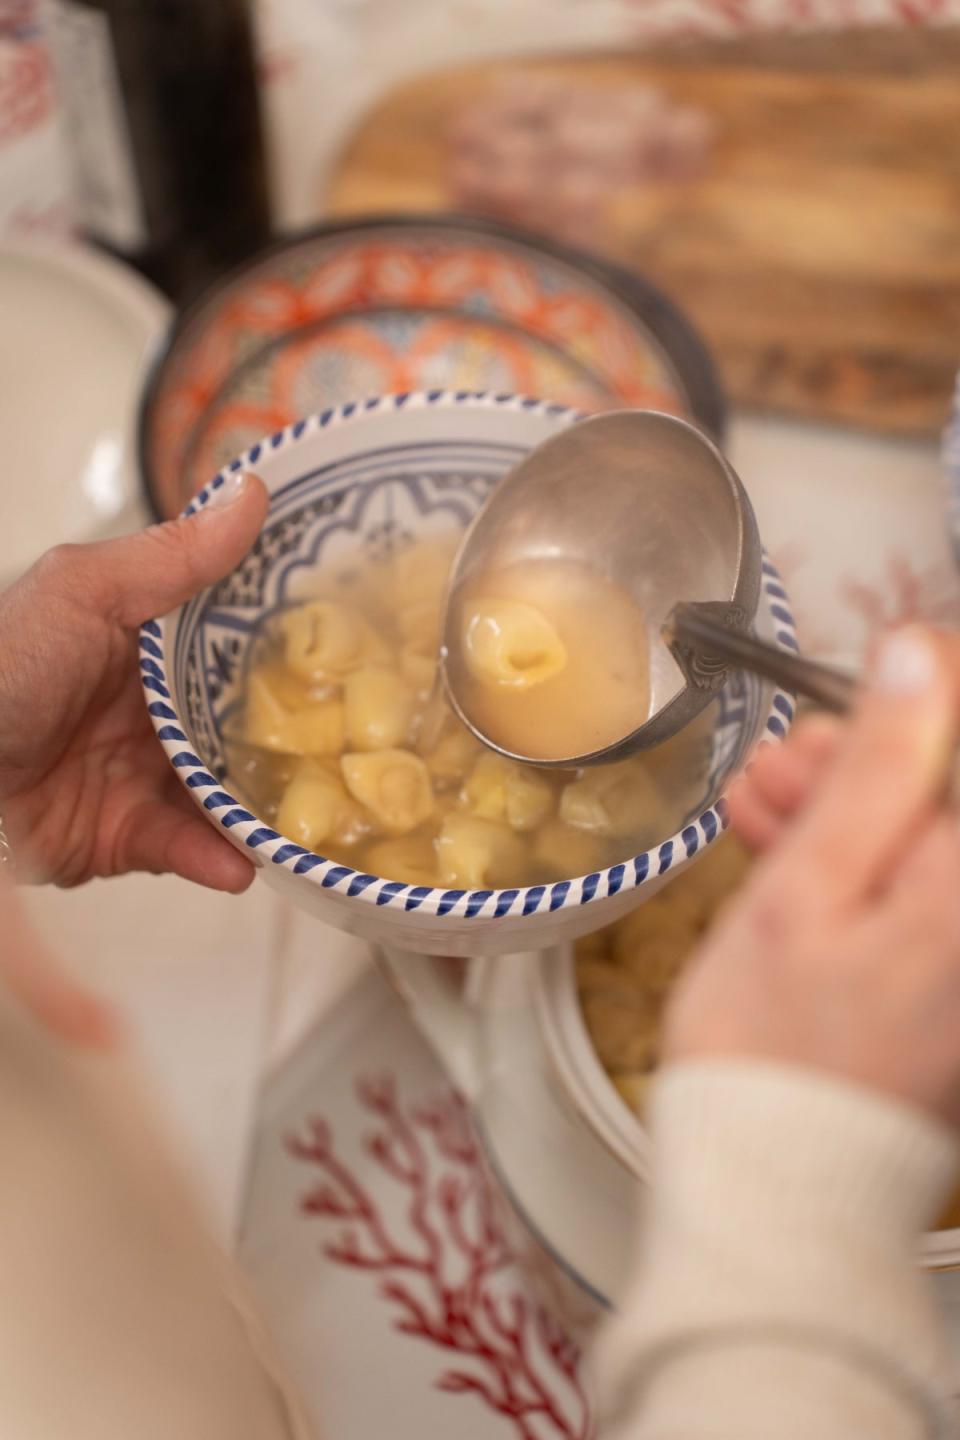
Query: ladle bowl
{"points": [[649, 502]]}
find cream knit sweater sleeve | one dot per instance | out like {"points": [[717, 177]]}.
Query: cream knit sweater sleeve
{"points": [[779, 1296]]}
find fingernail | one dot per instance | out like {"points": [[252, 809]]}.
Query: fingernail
{"points": [[906, 663], [234, 485]]}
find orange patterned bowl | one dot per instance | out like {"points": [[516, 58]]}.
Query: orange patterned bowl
{"points": [[383, 306]]}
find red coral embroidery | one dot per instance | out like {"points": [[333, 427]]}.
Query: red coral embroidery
{"points": [[446, 1279], [26, 88], [905, 595]]}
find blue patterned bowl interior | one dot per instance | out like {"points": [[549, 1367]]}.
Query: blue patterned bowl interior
{"points": [[369, 505]]}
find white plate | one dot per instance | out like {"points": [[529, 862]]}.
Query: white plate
{"points": [[77, 333], [385, 1278]]}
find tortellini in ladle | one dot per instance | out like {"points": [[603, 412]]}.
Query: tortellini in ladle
{"points": [[548, 657], [509, 643]]}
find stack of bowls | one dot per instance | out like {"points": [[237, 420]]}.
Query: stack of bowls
{"points": [[384, 306]]}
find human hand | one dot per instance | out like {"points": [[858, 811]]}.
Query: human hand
{"points": [[85, 789], [842, 953], [782, 779]]}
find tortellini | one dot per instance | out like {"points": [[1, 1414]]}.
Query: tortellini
{"points": [[476, 854], [410, 859], [394, 785], [346, 743], [614, 800], [418, 670], [325, 641], [625, 972], [316, 808], [508, 643], [445, 743], [551, 655], [497, 789], [450, 757], [560, 850], [315, 728], [666, 920], [419, 626], [378, 708], [625, 1026]]}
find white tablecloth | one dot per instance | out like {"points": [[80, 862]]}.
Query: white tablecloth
{"points": [[217, 988]]}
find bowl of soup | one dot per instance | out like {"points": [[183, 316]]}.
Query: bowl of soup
{"points": [[296, 701]]}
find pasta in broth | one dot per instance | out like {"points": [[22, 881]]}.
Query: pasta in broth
{"points": [[347, 747], [626, 972]]}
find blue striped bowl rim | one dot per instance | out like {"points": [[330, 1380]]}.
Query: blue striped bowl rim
{"points": [[270, 846]]}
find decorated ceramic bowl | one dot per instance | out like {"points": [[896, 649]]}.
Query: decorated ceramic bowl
{"points": [[366, 480], [383, 306], [568, 1161]]}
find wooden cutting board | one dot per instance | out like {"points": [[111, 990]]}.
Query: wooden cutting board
{"points": [[819, 253]]}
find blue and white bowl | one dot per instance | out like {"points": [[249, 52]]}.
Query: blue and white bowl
{"points": [[370, 477]]}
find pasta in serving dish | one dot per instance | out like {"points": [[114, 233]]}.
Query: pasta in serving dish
{"points": [[625, 973], [345, 744]]}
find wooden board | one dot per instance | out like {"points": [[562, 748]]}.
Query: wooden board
{"points": [[819, 254]]}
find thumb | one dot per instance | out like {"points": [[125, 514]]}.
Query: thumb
{"points": [[890, 770], [147, 574]]}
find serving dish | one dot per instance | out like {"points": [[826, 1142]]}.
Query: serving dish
{"points": [[567, 1158]]}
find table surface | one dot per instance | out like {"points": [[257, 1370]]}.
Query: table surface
{"points": [[217, 990]]}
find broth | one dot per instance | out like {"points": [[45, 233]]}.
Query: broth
{"points": [[557, 658], [344, 743]]}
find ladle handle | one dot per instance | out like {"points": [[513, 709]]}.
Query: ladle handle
{"points": [[693, 629]]}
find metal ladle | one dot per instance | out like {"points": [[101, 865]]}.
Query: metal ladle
{"points": [[650, 502]]}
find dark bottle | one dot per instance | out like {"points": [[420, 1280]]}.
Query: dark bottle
{"points": [[162, 117]]}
